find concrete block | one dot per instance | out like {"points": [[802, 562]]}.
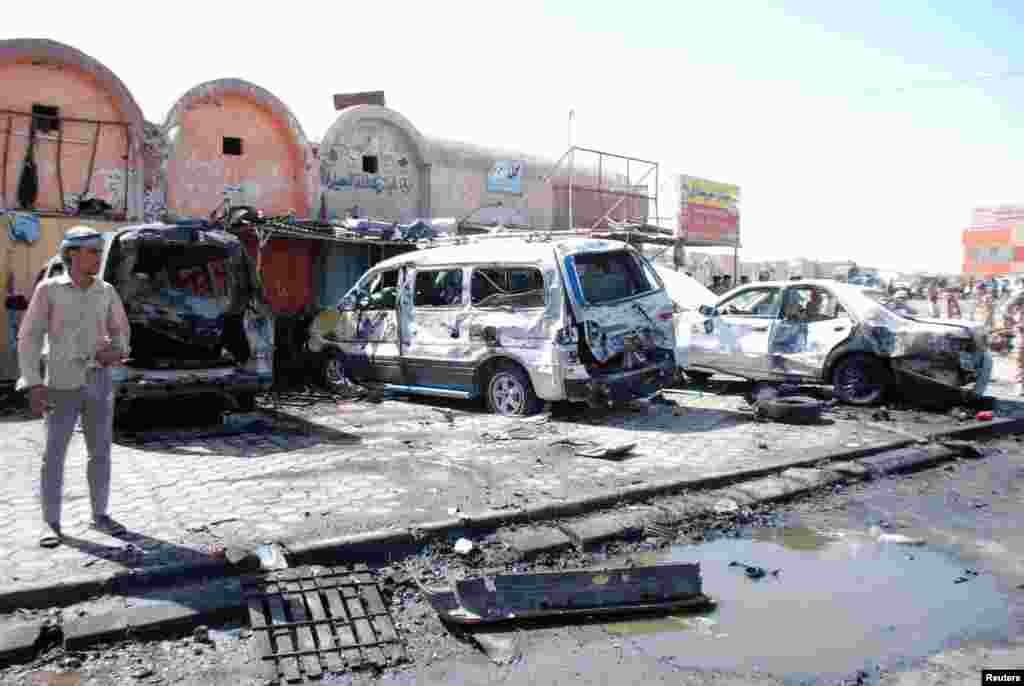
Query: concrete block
{"points": [[601, 527], [812, 478], [82, 632], [18, 639], [907, 459], [531, 541], [677, 509], [766, 489]]}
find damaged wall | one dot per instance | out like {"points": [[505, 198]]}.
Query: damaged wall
{"points": [[51, 74], [373, 163], [230, 138]]}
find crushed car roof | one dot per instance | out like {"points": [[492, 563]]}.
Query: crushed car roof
{"points": [[496, 250]]}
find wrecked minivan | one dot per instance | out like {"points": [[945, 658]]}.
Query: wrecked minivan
{"points": [[199, 322], [514, 320], [824, 331]]}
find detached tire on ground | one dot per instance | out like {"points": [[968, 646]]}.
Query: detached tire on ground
{"points": [[860, 379], [795, 409], [509, 392]]}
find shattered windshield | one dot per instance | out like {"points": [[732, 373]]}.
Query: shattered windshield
{"points": [[610, 276]]}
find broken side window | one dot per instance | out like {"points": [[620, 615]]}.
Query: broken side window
{"points": [[507, 287], [607, 277], [810, 304], [439, 288], [755, 302], [382, 291]]}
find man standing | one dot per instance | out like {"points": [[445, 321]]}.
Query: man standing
{"points": [[84, 321], [1015, 323]]}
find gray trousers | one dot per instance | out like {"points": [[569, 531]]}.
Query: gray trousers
{"points": [[94, 402]]}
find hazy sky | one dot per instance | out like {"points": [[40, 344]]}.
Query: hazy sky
{"points": [[798, 102]]}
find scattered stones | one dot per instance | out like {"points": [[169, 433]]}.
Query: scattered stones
{"points": [[202, 634], [143, 672]]}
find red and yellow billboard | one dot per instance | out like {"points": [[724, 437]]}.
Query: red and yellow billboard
{"points": [[709, 211]]}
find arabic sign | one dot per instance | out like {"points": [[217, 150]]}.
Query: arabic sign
{"points": [[506, 177], [708, 211]]}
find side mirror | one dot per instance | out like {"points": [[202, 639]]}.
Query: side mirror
{"points": [[707, 310]]}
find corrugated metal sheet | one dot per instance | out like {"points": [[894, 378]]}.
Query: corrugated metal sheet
{"points": [[287, 268], [341, 265]]}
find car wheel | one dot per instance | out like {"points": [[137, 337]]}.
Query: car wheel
{"points": [[510, 393], [333, 374], [859, 379]]}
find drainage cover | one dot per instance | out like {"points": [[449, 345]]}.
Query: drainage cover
{"points": [[308, 621]]}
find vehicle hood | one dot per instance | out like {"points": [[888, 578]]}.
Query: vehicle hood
{"points": [[685, 291]]}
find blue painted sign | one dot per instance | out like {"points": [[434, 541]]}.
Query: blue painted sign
{"points": [[506, 177]]}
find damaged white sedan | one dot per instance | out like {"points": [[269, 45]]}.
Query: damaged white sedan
{"points": [[830, 332], [513, 320]]}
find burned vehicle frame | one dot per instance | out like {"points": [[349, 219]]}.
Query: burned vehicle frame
{"points": [[200, 325], [513, 320], [822, 331]]}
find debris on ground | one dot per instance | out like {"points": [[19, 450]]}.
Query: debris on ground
{"points": [[726, 506], [896, 539], [881, 415], [984, 416], [754, 571], [272, 556], [968, 575], [463, 546], [503, 649], [503, 597], [608, 452]]}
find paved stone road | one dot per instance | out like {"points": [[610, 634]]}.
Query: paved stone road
{"points": [[343, 468]]}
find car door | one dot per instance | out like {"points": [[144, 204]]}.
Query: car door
{"points": [[436, 345], [812, 323], [735, 339], [366, 327]]}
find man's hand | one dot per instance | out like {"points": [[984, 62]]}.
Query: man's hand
{"points": [[109, 355], [39, 400]]}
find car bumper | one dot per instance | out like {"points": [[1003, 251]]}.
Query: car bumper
{"points": [[623, 387]]}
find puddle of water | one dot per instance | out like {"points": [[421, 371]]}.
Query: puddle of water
{"points": [[838, 604]]}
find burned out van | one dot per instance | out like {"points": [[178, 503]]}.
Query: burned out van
{"points": [[516, 321], [199, 322]]}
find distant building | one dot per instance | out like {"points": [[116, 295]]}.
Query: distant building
{"points": [[993, 244]]}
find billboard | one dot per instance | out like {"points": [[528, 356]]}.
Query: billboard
{"points": [[997, 214], [709, 211], [506, 176]]}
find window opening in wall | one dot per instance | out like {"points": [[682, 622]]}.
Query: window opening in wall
{"points": [[370, 164], [232, 146], [45, 118]]}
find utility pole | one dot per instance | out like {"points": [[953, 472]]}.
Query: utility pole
{"points": [[572, 156]]}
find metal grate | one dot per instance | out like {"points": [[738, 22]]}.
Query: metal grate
{"points": [[309, 621]]}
